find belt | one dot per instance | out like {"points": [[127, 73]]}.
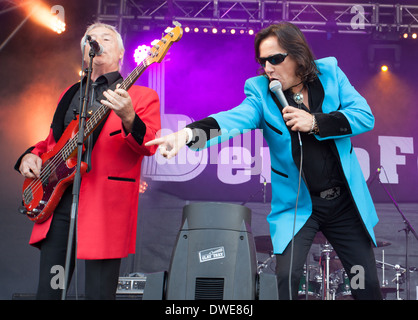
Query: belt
{"points": [[329, 194]]}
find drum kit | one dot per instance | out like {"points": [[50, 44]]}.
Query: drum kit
{"points": [[326, 278]]}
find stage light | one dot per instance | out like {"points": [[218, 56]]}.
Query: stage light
{"points": [[205, 30], [384, 68], [242, 31], [57, 25], [232, 31], [141, 53], [214, 30], [251, 32], [408, 35], [187, 29], [223, 31], [143, 186], [50, 17], [196, 29]]}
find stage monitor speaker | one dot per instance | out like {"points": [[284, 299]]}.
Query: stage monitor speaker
{"points": [[214, 256]]}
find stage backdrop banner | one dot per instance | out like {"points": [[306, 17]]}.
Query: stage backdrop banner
{"points": [[205, 74]]}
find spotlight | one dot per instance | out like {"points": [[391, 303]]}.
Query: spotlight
{"points": [[57, 25], [196, 29], [214, 30], [141, 53], [241, 31], [223, 31], [232, 31], [408, 35], [384, 68], [251, 32], [187, 29], [143, 186]]}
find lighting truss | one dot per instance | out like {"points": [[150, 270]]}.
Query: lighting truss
{"points": [[310, 16]]}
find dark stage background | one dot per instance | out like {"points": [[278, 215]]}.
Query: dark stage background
{"points": [[202, 74]]}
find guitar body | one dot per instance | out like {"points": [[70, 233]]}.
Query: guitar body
{"points": [[42, 195]]}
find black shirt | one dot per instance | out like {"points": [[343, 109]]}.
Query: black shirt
{"points": [[96, 90], [321, 168]]}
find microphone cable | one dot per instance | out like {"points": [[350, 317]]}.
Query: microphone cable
{"points": [[276, 87], [294, 218]]}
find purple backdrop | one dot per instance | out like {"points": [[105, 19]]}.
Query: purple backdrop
{"points": [[205, 73]]}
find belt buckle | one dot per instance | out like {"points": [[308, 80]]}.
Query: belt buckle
{"points": [[331, 193]]}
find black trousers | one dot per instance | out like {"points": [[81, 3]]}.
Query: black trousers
{"points": [[101, 276], [339, 221]]}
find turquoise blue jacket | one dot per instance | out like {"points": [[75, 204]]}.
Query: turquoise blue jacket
{"points": [[259, 111]]}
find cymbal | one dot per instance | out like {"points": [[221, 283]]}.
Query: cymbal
{"points": [[383, 244], [263, 244]]}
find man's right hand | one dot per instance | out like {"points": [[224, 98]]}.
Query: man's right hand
{"points": [[30, 166], [171, 144]]}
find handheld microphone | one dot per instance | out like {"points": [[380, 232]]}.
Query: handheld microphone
{"points": [[96, 47], [276, 87]]}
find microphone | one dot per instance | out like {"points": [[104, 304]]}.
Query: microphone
{"points": [[276, 87], [95, 46]]}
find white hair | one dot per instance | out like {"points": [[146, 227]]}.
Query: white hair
{"points": [[103, 25]]}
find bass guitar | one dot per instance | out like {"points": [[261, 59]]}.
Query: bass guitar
{"points": [[42, 195]]}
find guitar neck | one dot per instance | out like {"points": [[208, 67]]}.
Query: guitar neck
{"points": [[97, 117]]}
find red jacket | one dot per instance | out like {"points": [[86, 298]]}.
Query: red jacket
{"points": [[108, 203]]}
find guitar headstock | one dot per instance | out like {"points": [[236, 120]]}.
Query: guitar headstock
{"points": [[159, 50]]}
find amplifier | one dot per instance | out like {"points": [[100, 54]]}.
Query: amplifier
{"points": [[133, 284]]}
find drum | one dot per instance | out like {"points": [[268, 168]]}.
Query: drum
{"points": [[314, 284], [343, 291]]}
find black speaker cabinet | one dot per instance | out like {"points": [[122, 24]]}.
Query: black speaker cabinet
{"points": [[214, 257]]}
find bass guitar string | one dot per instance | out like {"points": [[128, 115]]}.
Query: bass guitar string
{"points": [[71, 145]]}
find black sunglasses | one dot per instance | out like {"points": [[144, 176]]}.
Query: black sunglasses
{"points": [[274, 59]]}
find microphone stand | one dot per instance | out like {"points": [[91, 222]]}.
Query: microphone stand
{"points": [[408, 228], [77, 177]]}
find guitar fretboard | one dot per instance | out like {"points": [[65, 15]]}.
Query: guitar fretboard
{"points": [[102, 111]]}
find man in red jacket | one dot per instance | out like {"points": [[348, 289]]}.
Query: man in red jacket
{"points": [[108, 200]]}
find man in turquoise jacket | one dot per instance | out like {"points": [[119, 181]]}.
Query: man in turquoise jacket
{"points": [[317, 182]]}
